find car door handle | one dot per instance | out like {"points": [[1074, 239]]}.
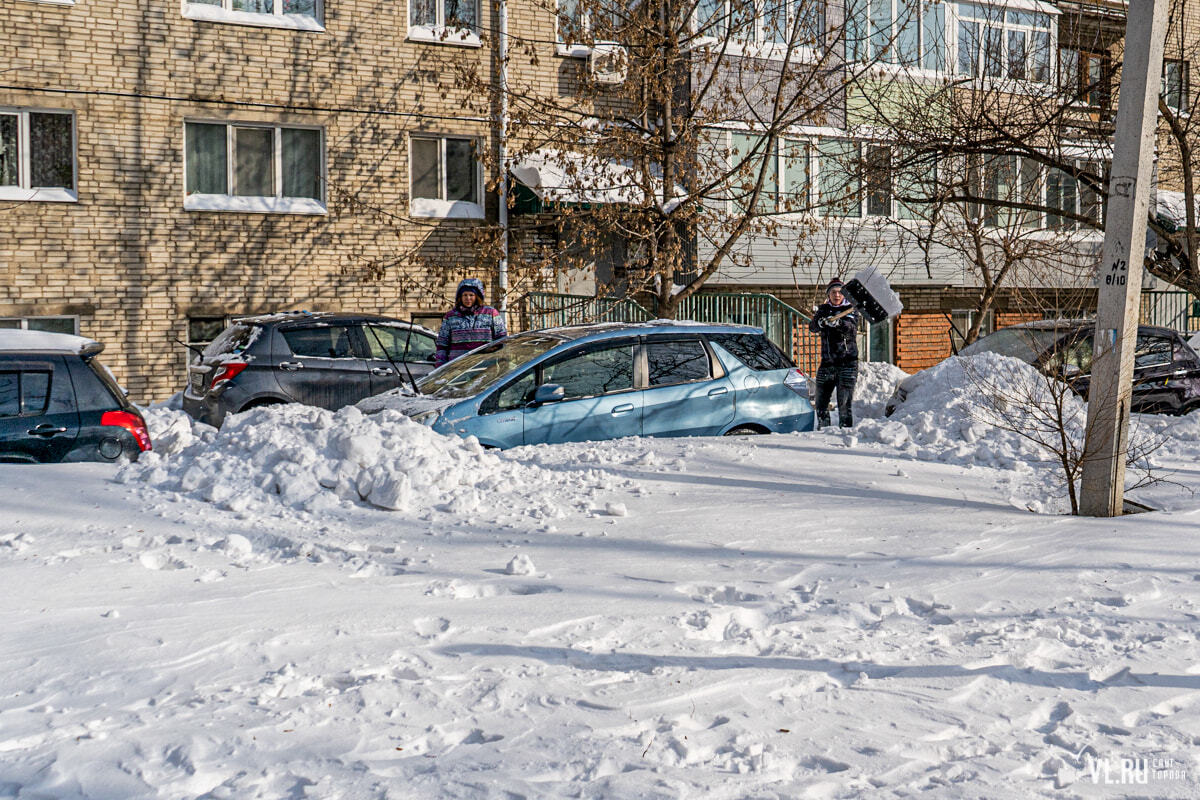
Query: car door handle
{"points": [[624, 408], [1180, 372], [291, 366], [46, 430], [380, 371], [717, 392]]}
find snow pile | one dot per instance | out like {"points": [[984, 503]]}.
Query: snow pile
{"points": [[995, 411], [310, 459], [876, 382], [172, 430]]}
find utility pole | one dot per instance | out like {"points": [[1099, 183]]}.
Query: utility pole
{"points": [[1102, 486]]}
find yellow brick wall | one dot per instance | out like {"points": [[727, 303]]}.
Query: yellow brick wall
{"points": [[133, 264]]}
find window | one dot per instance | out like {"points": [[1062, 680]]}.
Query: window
{"points": [[327, 341], [445, 178], [24, 392], [683, 361], [838, 178], [515, 395], [453, 22], [994, 42], [754, 350], [255, 168], [595, 373], [583, 22], [878, 174], [305, 15], [961, 322], [750, 152], [1175, 85], [789, 161], [398, 344], [799, 23], [50, 324], [1086, 76], [1153, 351], [911, 33], [37, 155]]}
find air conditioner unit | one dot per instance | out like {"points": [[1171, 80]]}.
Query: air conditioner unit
{"points": [[608, 63]]}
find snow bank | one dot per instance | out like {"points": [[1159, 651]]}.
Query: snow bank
{"points": [[310, 459], [876, 382]]}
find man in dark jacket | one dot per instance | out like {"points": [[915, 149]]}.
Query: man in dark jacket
{"points": [[468, 325], [839, 355]]}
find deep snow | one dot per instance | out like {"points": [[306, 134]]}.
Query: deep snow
{"points": [[837, 614]]}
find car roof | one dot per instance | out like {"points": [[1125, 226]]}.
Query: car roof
{"points": [[1072, 324], [22, 341], [608, 330], [328, 317]]}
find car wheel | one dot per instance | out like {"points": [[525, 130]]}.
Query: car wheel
{"points": [[746, 430], [260, 404]]}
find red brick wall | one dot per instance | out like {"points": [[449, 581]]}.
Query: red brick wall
{"points": [[922, 339]]}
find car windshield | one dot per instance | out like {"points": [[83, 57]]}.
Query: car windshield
{"points": [[473, 373], [1027, 344]]}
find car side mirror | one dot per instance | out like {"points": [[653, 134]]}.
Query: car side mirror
{"points": [[548, 393]]}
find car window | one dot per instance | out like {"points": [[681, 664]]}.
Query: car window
{"points": [[593, 373], [680, 361], [326, 341], [1075, 357], [390, 341], [237, 338], [516, 394], [1153, 351], [24, 392], [754, 350]]}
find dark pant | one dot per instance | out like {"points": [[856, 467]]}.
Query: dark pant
{"points": [[841, 377]]}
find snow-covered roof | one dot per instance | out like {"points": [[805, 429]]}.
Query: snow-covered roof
{"points": [[19, 341], [1173, 206]]}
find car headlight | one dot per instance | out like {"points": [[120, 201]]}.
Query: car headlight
{"points": [[426, 418]]}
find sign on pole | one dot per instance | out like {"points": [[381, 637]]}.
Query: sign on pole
{"points": [[1102, 486]]}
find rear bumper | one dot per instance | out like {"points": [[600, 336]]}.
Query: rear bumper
{"points": [[209, 410]]}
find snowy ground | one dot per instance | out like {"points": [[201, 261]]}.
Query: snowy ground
{"points": [[873, 613]]}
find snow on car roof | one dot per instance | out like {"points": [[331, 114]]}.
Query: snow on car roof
{"points": [[43, 341]]}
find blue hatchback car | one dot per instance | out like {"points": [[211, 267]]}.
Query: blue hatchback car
{"points": [[606, 381]]}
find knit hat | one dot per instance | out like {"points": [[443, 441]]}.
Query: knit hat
{"points": [[470, 285], [836, 283]]}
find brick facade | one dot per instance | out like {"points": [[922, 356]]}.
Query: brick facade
{"points": [[134, 265]]}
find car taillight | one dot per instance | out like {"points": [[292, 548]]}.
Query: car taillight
{"points": [[226, 372], [130, 422], [797, 381]]}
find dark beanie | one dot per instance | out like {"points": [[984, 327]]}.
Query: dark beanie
{"points": [[836, 283]]}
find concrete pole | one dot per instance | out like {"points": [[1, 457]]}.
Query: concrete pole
{"points": [[1102, 489], [502, 157]]}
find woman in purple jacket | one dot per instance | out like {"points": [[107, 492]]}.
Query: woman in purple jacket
{"points": [[468, 325]]}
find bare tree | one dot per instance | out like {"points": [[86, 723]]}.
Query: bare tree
{"points": [[675, 139]]}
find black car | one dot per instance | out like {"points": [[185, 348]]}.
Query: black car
{"points": [[59, 403], [1166, 370], [322, 359]]}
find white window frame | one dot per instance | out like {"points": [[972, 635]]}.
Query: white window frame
{"points": [[24, 321], [900, 11], [278, 204], [998, 11], [440, 32], [23, 191], [224, 12], [440, 208], [758, 46], [574, 49], [1184, 66], [780, 157]]}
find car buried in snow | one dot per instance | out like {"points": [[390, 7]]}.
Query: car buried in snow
{"points": [[322, 359], [607, 381], [1166, 370]]}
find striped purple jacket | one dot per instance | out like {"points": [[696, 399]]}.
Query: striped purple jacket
{"points": [[464, 329]]}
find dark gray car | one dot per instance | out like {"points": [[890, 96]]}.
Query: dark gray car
{"points": [[325, 359]]}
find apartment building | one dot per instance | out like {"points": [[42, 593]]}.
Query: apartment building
{"points": [[164, 166]]}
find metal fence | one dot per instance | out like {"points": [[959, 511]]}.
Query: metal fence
{"points": [[1171, 309], [784, 325], [551, 309]]}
